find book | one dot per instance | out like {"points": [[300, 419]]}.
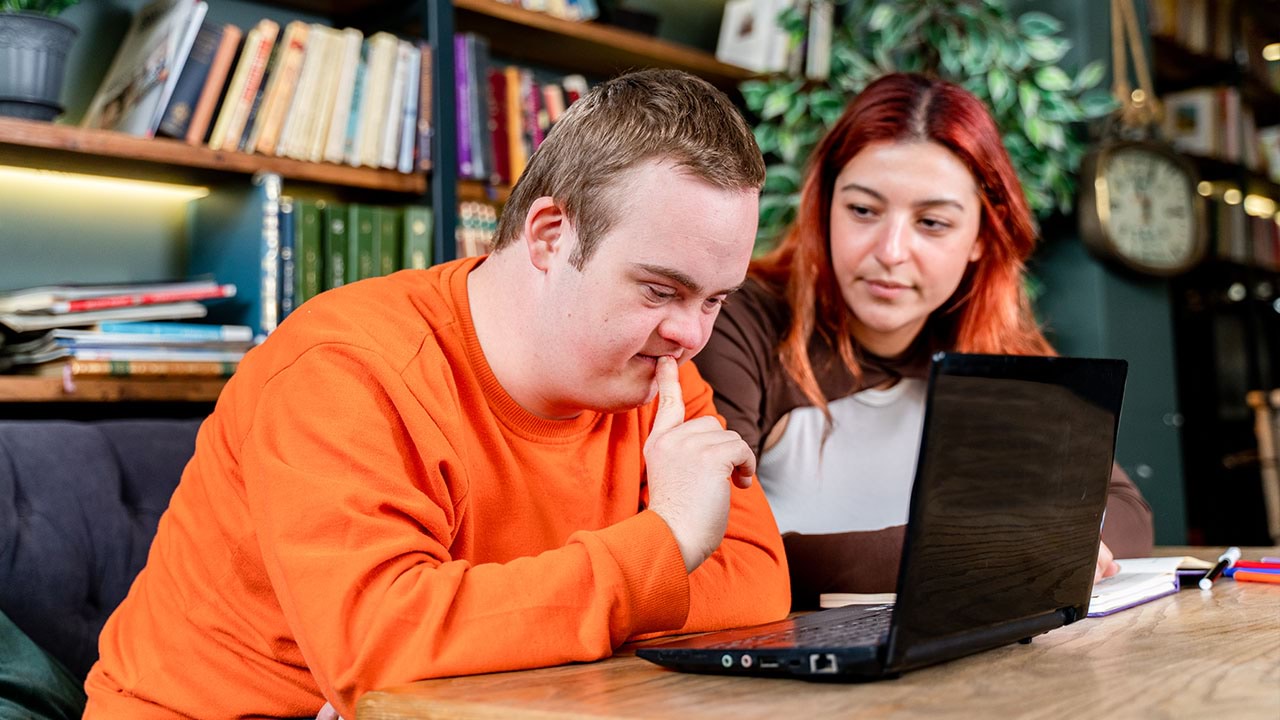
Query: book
{"points": [[243, 88], [390, 239], [215, 81], [280, 89], [132, 94], [384, 49], [177, 331], [423, 149], [835, 600], [363, 246], [308, 249], [216, 292], [409, 123], [186, 93], [235, 235], [287, 287], [334, 245], [1142, 580], [44, 297], [417, 237], [340, 120], [149, 368], [25, 322]]}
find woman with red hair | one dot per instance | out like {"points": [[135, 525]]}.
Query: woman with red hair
{"points": [[911, 237]]}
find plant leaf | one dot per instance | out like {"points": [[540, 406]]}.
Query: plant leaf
{"points": [[1090, 75], [880, 17], [1038, 24], [1053, 79]]}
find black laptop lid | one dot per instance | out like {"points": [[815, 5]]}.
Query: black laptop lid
{"points": [[1011, 485]]}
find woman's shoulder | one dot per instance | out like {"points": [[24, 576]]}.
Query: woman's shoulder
{"points": [[760, 306]]}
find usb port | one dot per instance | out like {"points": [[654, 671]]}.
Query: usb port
{"points": [[823, 664], [768, 662]]}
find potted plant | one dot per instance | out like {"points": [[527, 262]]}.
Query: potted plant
{"points": [[33, 54], [1011, 63]]}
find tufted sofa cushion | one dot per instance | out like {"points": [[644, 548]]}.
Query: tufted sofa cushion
{"points": [[79, 504]]}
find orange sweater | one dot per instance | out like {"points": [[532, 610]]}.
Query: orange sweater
{"points": [[366, 506]]}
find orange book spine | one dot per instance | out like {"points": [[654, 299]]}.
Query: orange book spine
{"points": [[202, 113]]}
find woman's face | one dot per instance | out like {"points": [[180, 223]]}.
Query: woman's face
{"points": [[904, 227]]}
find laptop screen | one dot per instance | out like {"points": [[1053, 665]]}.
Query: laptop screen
{"points": [[1009, 494]]}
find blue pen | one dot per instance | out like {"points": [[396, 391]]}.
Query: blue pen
{"points": [[1232, 570]]}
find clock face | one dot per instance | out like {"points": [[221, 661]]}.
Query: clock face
{"points": [[1147, 203]]}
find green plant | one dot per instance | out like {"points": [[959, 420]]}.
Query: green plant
{"points": [[44, 7], [1011, 64]]}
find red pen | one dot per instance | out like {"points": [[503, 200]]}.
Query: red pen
{"points": [[1261, 577], [1258, 564]]}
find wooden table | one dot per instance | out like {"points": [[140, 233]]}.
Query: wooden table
{"points": [[1195, 654]]}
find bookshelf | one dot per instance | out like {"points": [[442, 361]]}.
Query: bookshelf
{"points": [[14, 388], [514, 34], [1226, 312], [37, 143], [588, 48]]}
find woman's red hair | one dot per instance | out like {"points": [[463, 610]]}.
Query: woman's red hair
{"points": [[989, 312]]}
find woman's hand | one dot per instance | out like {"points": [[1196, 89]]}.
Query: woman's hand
{"points": [[1107, 565]]}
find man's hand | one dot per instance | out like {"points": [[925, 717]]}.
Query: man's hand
{"points": [[1107, 565], [688, 465]]}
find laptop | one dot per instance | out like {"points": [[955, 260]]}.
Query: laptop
{"points": [[1001, 539]]}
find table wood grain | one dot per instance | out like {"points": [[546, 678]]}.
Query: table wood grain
{"points": [[1194, 654]]}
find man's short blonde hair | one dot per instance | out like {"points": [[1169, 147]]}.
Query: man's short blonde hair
{"points": [[665, 115]]}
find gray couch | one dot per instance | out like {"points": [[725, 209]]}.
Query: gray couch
{"points": [[79, 504]]}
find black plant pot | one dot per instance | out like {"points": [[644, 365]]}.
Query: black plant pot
{"points": [[33, 61]]}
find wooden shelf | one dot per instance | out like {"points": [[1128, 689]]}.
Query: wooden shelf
{"points": [[18, 388], [474, 190], [1253, 181], [1179, 68], [113, 152], [584, 47]]}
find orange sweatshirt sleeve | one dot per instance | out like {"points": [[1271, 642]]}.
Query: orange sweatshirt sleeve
{"points": [[356, 495], [745, 581]]}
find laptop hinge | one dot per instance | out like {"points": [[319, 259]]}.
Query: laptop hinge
{"points": [[919, 651]]}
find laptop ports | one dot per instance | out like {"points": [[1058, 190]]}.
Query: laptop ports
{"points": [[823, 664], [769, 662]]}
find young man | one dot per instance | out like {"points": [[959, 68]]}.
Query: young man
{"points": [[463, 469]]}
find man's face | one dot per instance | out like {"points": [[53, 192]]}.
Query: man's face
{"points": [[653, 287]]}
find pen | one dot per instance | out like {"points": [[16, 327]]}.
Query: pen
{"points": [[1254, 576], [1231, 571], [1225, 560]]}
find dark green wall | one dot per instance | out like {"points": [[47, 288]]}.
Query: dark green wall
{"points": [[1093, 310]]}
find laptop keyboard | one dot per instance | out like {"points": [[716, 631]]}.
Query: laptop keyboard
{"points": [[865, 628]]}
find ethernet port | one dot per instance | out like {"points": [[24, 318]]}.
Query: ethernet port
{"points": [[823, 664]]}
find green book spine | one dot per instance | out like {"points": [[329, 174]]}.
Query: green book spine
{"points": [[335, 245], [417, 237], [308, 249], [362, 242], [389, 240]]}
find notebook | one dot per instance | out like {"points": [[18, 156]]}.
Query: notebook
{"points": [[1142, 580], [1002, 533]]}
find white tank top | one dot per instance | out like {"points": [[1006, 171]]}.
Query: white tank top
{"points": [[860, 479]]}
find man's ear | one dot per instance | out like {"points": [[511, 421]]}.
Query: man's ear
{"points": [[546, 231]]}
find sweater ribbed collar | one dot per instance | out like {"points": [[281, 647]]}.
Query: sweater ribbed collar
{"points": [[508, 411]]}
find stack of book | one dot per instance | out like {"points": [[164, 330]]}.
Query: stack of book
{"points": [[96, 328], [150, 349], [307, 91]]}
